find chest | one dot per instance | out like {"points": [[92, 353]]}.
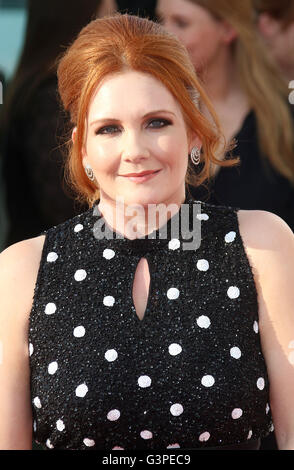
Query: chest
{"points": [[145, 351], [141, 284]]}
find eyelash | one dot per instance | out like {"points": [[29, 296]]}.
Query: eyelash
{"points": [[100, 131]]}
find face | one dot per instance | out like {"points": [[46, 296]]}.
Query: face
{"points": [[282, 46], [202, 34], [135, 125], [279, 40]]}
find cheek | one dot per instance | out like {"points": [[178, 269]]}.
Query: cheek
{"points": [[102, 157], [203, 46], [291, 42], [171, 150]]}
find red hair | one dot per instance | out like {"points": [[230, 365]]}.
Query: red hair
{"points": [[124, 42]]}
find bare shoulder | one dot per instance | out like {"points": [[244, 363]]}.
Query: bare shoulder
{"points": [[262, 230], [267, 239], [19, 265]]}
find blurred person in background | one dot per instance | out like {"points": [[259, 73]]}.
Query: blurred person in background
{"points": [[33, 123], [250, 97], [276, 25], [3, 216]]}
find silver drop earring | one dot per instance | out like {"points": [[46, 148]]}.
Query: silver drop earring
{"points": [[89, 172], [195, 155]]}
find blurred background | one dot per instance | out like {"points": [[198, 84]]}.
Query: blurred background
{"points": [[13, 14]]}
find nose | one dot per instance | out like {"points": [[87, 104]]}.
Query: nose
{"points": [[134, 148]]}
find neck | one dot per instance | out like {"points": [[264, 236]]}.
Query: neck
{"points": [[288, 73], [220, 77], [133, 220]]}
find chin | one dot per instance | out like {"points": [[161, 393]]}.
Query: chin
{"points": [[143, 200]]}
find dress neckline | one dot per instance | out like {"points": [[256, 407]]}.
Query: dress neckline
{"points": [[156, 240]]}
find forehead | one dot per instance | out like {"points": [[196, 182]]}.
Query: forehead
{"points": [[131, 92], [177, 7]]}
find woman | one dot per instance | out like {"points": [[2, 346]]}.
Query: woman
{"points": [[250, 97], [276, 25], [121, 336]]}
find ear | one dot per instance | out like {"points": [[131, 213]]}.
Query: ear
{"points": [[230, 33], [73, 134], [195, 141], [268, 26]]}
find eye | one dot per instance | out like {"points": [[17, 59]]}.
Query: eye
{"points": [[160, 19], [180, 22], [111, 129], [158, 123]]}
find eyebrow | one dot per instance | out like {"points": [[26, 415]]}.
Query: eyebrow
{"points": [[159, 111]]}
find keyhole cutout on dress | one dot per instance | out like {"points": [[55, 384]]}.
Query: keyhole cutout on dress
{"points": [[141, 286]]}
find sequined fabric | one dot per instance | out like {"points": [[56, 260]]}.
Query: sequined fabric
{"points": [[191, 374]]}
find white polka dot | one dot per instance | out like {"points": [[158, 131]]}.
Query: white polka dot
{"points": [[173, 446], [111, 355], [52, 368], [144, 381], [203, 265], [174, 349], [235, 352], [78, 228], [249, 434], [81, 390], [117, 448], [173, 293], [207, 381], [35, 426], [230, 237], [89, 442], [174, 244], [146, 434], [267, 408], [237, 413], [80, 275], [79, 331], [50, 308], [255, 327], [113, 415], [109, 301], [272, 428], [108, 254], [37, 402], [233, 292], [202, 216], [260, 383], [31, 349], [176, 409], [52, 257], [49, 445], [203, 322], [204, 437], [291, 357], [60, 425]]}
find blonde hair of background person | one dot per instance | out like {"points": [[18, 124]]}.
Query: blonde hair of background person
{"points": [[119, 48], [276, 25], [257, 77]]}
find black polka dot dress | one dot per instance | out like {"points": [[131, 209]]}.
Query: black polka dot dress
{"points": [[189, 375]]}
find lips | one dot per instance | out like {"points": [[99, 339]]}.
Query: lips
{"points": [[143, 177], [143, 173]]}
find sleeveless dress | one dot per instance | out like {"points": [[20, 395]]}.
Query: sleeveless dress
{"points": [[189, 375]]}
